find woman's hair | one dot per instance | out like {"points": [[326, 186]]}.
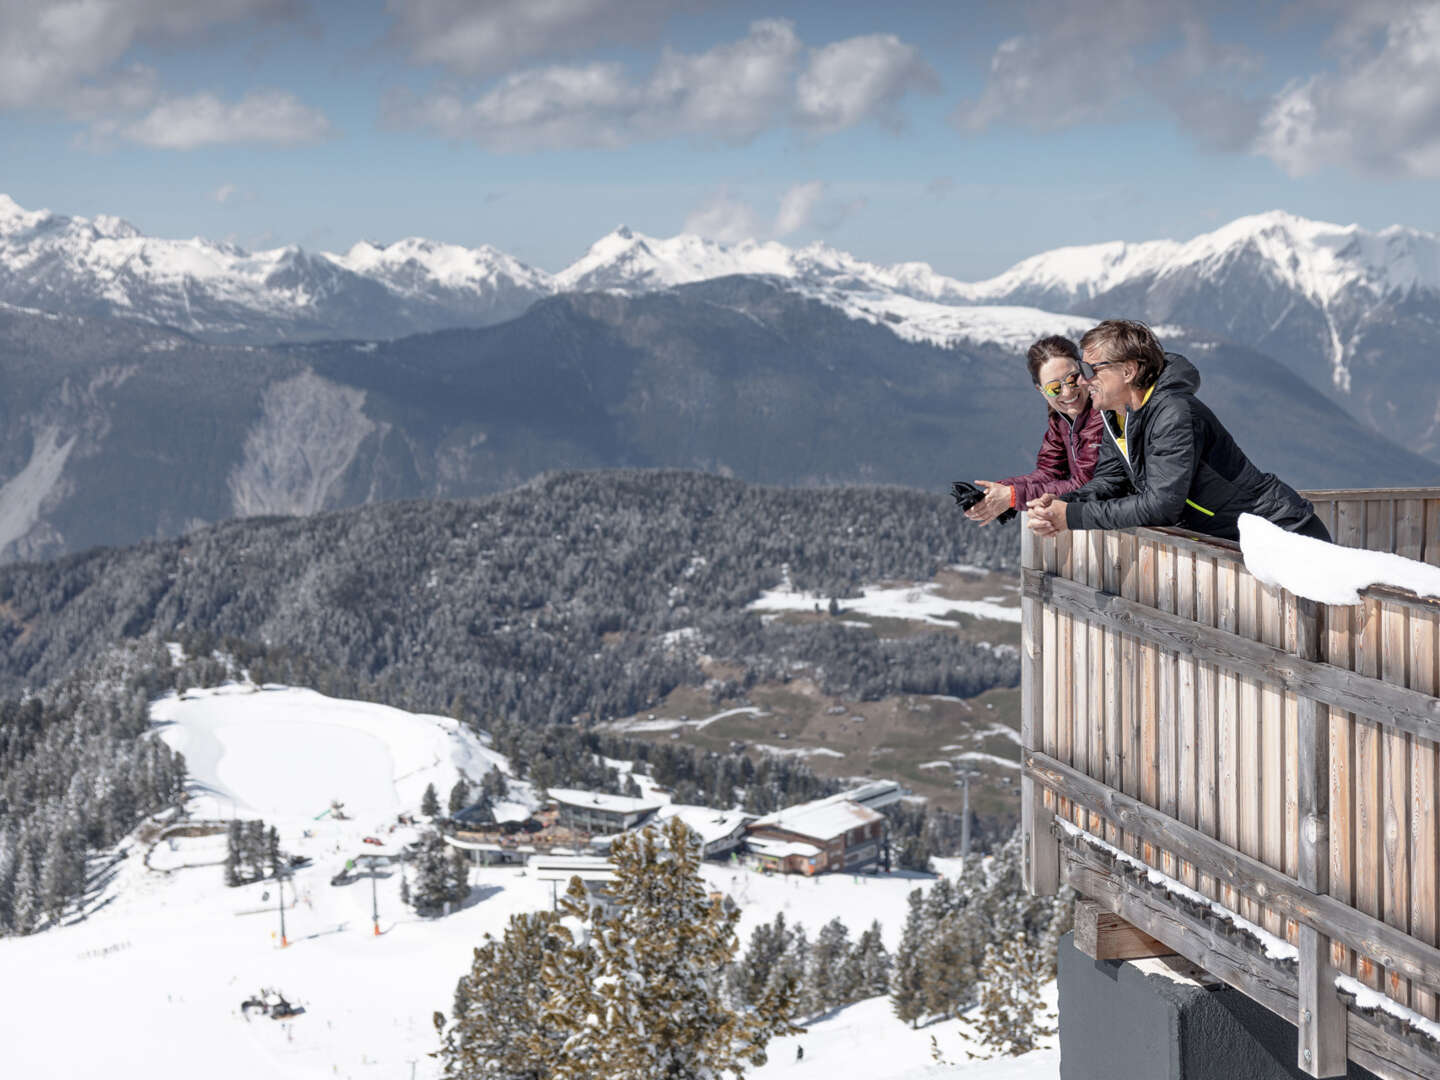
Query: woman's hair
{"points": [[1047, 348], [1125, 339]]}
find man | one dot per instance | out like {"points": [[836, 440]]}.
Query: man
{"points": [[1167, 460]]}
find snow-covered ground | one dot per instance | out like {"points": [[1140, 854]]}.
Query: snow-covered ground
{"points": [[148, 985], [917, 602]]}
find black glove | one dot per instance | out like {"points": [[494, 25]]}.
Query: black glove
{"points": [[967, 495]]}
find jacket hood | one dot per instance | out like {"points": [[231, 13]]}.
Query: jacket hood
{"points": [[1179, 374]]}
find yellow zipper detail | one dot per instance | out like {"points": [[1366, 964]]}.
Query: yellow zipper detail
{"points": [[1197, 506]]}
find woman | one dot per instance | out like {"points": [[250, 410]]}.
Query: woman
{"points": [[1167, 460], [1072, 439]]}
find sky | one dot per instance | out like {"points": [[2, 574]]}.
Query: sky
{"points": [[965, 135]]}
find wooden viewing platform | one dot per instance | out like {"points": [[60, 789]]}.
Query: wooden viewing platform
{"points": [[1246, 776]]}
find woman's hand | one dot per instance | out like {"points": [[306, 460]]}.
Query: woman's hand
{"points": [[1047, 515], [998, 499]]}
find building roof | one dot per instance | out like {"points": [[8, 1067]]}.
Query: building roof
{"points": [[594, 800], [707, 823], [823, 819], [781, 848]]}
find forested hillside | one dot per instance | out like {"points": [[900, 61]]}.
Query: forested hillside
{"points": [[544, 604]]}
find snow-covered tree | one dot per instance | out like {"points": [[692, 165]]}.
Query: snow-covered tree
{"points": [[1012, 1015], [438, 878], [495, 1031], [907, 984], [823, 972], [459, 796], [866, 971], [430, 802], [637, 993]]}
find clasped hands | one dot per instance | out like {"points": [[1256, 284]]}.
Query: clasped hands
{"points": [[1047, 515]]}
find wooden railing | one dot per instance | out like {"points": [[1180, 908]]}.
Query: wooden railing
{"points": [[1247, 776]]}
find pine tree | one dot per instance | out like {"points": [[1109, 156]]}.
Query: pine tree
{"points": [[866, 972], [27, 903], [234, 843], [430, 802], [1012, 1014], [495, 1030], [649, 973], [907, 982], [434, 876], [823, 975], [459, 796]]}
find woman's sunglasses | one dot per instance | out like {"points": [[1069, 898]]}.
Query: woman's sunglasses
{"points": [[1054, 387]]}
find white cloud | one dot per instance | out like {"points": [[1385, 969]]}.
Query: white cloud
{"points": [[731, 93], [725, 218], [1081, 61], [861, 78], [1379, 112], [797, 206], [263, 116], [488, 39], [224, 193], [64, 55]]}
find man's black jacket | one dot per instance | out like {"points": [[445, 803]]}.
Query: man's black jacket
{"points": [[1181, 468]]}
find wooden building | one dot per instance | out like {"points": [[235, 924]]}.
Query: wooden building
{"points": [[835, 833], [1245, 776]]}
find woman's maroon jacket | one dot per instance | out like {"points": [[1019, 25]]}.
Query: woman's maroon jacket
{"points": [[1067, 457]]}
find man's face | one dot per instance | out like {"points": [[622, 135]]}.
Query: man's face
{"points": [[1110, 386]]}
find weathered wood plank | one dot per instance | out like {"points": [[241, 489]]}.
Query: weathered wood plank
{"points": [[1424, 795], [1102, 935], [1129, 680], [1274, 766], [1410, 528], [1371, 936], [1369, 809], [1042, 852], [1187, 808], [1079, 669], [1095, 677], [1207, 718], [1167, 714], [1114, 675], [1249, 749], [1431, 551], [1228, 747], [1393, 706], [1395, 792], [1148, 701]]}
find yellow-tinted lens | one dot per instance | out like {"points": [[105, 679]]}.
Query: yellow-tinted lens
{"points": [[1055, 386]]}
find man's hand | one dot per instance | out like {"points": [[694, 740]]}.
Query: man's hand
{"points": [[996, 502], [1047, 515]]}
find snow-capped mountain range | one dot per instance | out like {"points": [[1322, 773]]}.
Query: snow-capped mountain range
{"points": [[1355, 312]]}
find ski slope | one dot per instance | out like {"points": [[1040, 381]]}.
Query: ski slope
{"points": [[148, 984]]}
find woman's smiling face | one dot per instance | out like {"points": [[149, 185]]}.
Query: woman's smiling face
{"points": [[1072, 398]]}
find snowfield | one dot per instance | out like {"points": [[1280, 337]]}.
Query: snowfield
{"points": [[153, 976]]}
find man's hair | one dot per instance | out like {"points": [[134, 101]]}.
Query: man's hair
{"points": [[1047, 348], [1125, 339]]}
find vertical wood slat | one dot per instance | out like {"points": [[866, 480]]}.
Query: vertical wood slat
{"points": [[1424, 825], [1114, 674], [1227, 726], [1295, 609], [1274, 766], [1248, 754], [1042, 850], [1395, 793], [1095, 681], [1322, 1049], [1064, 669], [1339, 650], [1368, 824], [1129, 685], [1186, 708], [1167, 719], [1079, 671], [1430, 550], [1207, 720], [1146, 702], [1424, 831]]}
